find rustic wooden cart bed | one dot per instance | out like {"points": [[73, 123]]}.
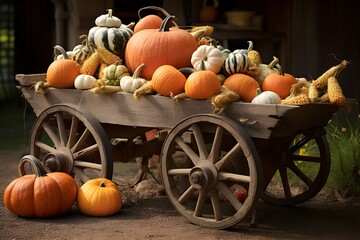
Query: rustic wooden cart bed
{"points": [[202, 155]]}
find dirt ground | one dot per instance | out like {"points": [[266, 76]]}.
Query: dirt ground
{"points": [[153, 217]]}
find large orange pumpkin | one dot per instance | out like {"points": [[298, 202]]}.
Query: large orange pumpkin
{"points": [[42, 194], [279, 83], [99, 197], [61, 73], [168, 80], [202, 84], [157, 47], [244, 85]]}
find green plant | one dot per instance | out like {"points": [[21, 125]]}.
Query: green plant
{"points": [[344, 141]]}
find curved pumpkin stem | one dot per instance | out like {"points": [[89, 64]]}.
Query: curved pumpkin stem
{"points": [[109, 12], [61, 50], [251, 45], [35, 164], [278, 66], [163, 11], [137, 71], [165, 25], [273, 63]]}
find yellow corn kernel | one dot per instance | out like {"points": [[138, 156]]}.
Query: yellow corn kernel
{"points": [[108, 57], [91, 64], [299, 99], [336, 95], [313, 93]]}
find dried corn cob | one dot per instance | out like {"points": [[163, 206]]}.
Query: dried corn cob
{"points": [[313, 93], [324, 98], [254, 57], [299, 99], [91, 64], [103, 65], [107, 56], [336, 95], [321, 81], [144, 90], [221, 101]]}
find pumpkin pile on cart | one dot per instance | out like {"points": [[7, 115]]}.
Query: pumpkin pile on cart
{"points": [[227, 128]]}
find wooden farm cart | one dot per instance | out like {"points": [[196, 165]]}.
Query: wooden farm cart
{"points": [[202, 155]]}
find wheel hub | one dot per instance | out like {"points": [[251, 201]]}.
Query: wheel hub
{"points": [[203, 175], [59, 161]]}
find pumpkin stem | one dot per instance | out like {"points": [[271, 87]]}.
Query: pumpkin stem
{"points": [[109, 13], [102, 184], [165, 25], [202, 66], [258, 91], [137, 71], [278, 66], [153, 8], [61, 50], [273, 62], [251, 45], [36, 166]]}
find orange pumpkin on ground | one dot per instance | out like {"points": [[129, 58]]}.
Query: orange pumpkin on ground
{"points": [[42, 194], [99, 197], [168, 80], [242, 84], [157, 47]]}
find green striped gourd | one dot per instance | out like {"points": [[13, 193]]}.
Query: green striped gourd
{"points": [[236, 63]]}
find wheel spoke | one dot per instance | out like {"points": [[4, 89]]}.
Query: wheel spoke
{"points": [[81, 141], [44, 146], [83, 164], [186, 195], [285, 182], [49, 131], [203, 153], [86, 151], [199, 208], [214, 196], [304, 158], [80, 174], [229, 156], [179, 171], [215, 149], [301, 175], [61, 128], [73, 132], [299, 145], [226, 176], [187, 149], [229, 195]]}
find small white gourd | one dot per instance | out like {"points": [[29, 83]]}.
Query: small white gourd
{"points": [[131, 83], [108, 20], [265, 69], [84, 82], [266, 97], [213, 58]]}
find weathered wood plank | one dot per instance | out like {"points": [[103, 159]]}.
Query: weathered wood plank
{"points": [[155, 111]]}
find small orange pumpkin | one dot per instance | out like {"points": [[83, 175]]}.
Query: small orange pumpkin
{"points": [[61, 73], [99, 197], [202, 84], [42, 194], [168, 80], [244, 85], [157, 47], [279, 83]]}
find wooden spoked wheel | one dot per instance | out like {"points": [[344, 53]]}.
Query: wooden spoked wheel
{"points": [[301, 171], [203, 158], [69, 140]]}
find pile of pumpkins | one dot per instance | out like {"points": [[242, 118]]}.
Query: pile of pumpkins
{"points": [[45, 195], [168, 60]]}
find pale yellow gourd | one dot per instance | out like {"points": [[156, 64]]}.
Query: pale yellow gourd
{"points": [[131, 83], [212, 57], [114, 72]]}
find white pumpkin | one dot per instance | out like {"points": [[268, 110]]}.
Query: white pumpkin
{"points": [[108, 20], [84, 82], [266, 97], [131, 83], [213, 58]]}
